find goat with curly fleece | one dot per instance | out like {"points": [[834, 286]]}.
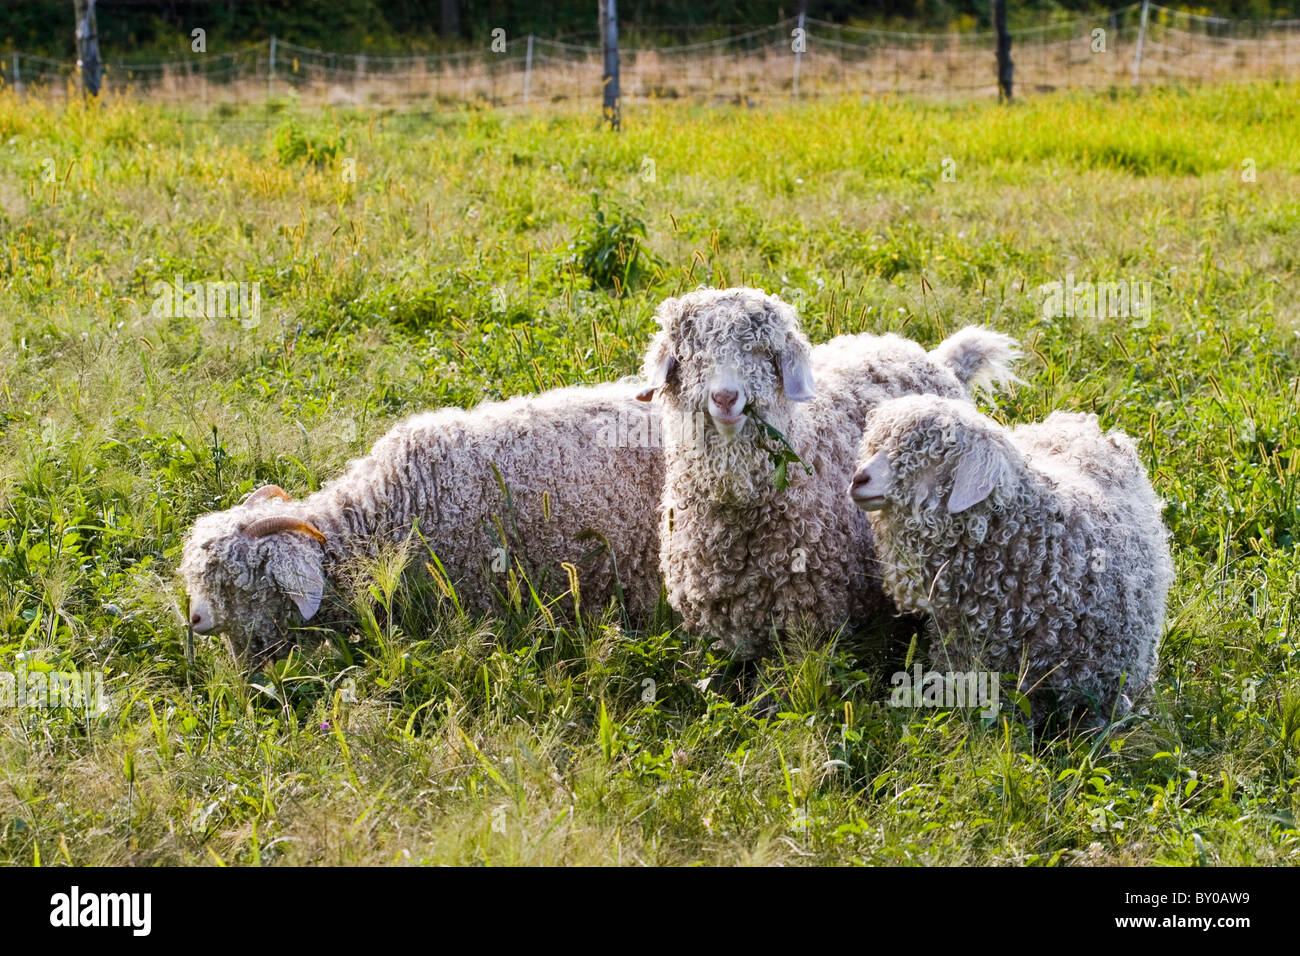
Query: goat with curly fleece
{"points": [[741, 556], [531, 483], [1037, 551]]}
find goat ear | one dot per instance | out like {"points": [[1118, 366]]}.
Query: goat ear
{"points": [[308, 599], [300, 575], [796, 373], [659, 365], [977, 473]]}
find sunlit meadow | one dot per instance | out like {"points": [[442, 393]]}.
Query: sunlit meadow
{"points": [[410, 260]]}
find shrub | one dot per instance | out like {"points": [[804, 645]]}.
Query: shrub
{"points": [[317, 145], [609, 249]]}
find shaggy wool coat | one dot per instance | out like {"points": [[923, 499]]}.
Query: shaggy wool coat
{"points": [[1059, 576], [743, 559], [524, 486]]}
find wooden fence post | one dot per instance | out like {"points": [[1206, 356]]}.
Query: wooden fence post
{"points": [[88, 62], [1005, 67], [609, 79]]}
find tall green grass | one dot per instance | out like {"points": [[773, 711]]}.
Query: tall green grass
{"points": [[412, 260]]}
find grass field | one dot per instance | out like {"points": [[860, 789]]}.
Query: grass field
{"points": [[407, 261]]}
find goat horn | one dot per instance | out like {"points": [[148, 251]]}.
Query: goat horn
{"points": [[268, 491], [276, 523]]}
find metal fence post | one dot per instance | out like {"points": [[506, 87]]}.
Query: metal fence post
{"points": [[528, 69], [800, 42], [1142, 33], [270, 76]]}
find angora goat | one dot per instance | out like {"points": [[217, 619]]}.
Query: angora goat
{"points": [[572, 460], [741, 557], [1037, 551]]}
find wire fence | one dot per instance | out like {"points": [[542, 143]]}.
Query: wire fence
{"points": [[1136, 44]]}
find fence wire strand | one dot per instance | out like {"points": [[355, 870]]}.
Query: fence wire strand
{"points": [[1082, 52]]}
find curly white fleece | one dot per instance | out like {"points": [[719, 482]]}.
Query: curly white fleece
{"points": [[573, 460], [1060, 575], [742, 560]]}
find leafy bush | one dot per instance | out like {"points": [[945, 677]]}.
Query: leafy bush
{"points": [[609, 249], [317, 145]]}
